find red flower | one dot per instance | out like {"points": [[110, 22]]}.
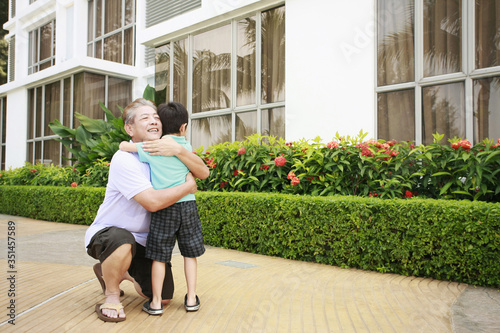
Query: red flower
{"points": [[290, 175], [408, 194], [74, 184], [33, 171], [310, 179], [295, 181], [373, 194], [280, 161], [289, 144], [394, 153], [236, 172], [264, 167], [465, 144], [108, 164], [223, 184], [367, 152], [332, 144], [241, 151], [1, 175]]}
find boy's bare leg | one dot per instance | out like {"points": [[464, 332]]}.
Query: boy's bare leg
{"points": [[157, 277], [114, 268], [190, 271]]}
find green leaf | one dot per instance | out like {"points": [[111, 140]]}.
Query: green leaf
{"points": [[445, 188], [442, 173], [92, 125], [149, 93]]}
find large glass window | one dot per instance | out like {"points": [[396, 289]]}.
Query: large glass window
{"points": [[3, 130], [60, 100], [232, 78], [428, 81], [111, 30], [42, 47]]}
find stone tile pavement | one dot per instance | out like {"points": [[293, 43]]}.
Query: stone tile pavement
{"points": [[56, 291]]}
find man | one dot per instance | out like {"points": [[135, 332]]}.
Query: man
{"points": [[117, 236]]}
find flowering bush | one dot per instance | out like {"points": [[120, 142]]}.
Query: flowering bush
{"points": [[39, 174], [355, 166]]}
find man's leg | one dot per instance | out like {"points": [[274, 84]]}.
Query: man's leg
{"points": [[114, 269]]}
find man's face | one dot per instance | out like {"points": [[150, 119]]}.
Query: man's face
{"points": [[146, 126]]}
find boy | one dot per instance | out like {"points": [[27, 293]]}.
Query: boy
{"points": [[179, 221]]}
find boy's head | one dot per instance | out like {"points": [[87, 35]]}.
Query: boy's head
{"points": [[172, 116]]}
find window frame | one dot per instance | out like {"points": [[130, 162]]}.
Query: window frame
{"points": [[468, 74], [32, 122], [233, 110], [35, 64], [99, 41]]}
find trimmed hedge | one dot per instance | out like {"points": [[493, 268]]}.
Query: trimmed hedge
{"points": [[446, 240], [75, 205]]}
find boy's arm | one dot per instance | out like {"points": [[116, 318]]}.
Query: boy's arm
{"points": [[128, 146], [154, 200], [167, 146]]}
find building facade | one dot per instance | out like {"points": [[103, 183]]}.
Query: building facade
{"points": [[296, 69]]}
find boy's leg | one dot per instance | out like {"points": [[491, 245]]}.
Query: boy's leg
{"points": [[191, 271], [157, 277]]}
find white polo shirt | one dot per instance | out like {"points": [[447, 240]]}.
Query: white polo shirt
{"points": [[127, 177]]}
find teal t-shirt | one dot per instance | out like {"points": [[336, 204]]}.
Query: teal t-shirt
{"points": [[167, 171]]}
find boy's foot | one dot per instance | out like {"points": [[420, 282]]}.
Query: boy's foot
{"points": [[192, 308], [154, 312]]}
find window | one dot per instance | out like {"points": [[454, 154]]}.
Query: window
{"points": [[232, 78], [59, 100], [3, 130], [42, 47], [438, 69], [111, 30]]}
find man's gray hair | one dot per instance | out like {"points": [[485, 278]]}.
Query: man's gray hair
{"points": [[128, 114]]}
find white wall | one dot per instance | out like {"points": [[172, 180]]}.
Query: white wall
{"points": [[330, 61], [17, 120]]}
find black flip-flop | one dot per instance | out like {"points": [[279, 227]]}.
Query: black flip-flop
{"points": [[146, 307], [192, 308]]}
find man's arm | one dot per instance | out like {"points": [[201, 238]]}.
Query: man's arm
{"points": [[169, 147], [128, 146], [154, 200]]}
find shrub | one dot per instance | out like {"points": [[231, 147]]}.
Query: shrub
{"points": [[39, 174], [353, 166], [446, 240]]}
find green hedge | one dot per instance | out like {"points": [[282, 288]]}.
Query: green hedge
{"points": [[76, 205], [446, 240], [442, 239]]}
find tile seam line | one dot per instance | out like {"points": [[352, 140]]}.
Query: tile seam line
{"points": [[48, 300]]}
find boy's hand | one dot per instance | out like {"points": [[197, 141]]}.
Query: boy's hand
{"points": [[166, 146], [190, 180]]}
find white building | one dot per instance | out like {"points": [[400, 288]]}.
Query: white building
{"points": [[397, 69]]}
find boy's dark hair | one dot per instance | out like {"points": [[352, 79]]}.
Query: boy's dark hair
{"points": [[172, 116]]}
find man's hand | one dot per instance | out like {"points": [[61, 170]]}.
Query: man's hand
{"points": [[192, 182], [166, 146]]}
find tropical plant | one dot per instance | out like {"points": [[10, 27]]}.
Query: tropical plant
{"points": [[94, 139]]}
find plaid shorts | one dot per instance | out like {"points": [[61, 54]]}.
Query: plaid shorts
{"points": [[179, 221]]}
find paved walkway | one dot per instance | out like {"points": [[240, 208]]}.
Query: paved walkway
{"points": [[56, 291]]}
